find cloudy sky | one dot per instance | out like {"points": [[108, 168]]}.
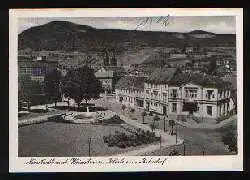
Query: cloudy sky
{"points": [[215, 24]]}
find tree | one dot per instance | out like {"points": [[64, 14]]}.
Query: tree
{"points": [[81, 84], [230, 139], [143, 114], [52, 83], [212, 66], [27, 89], [171, 123]]}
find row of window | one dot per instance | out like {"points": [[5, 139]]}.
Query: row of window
{"points": [[106, 82], [129, 99], [189, 93], [209, 109], [155, 86], [130, 91]]}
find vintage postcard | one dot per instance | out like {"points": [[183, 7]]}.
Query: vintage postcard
{"points": [[98, 90]]}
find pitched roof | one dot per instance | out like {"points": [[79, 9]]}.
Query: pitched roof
{"points": [[131, 82], [105, 74], [162, 75], [200, 79]]}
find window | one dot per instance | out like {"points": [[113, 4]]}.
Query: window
{"points": [[174, 93], [209, 93], [191, 93], [209, 110], [174, 107]]}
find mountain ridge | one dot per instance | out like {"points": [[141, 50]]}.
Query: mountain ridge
{"points": [[68, 36]]}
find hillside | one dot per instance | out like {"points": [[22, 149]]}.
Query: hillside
{"points": [[67, 36]]}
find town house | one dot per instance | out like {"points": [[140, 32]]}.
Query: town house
{"points": [[130, 91], [176, 94]]}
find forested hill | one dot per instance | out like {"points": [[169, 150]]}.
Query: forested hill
{"points": [[67, 36]]}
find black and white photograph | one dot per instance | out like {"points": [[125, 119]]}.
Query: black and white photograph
{"points": [[149, 85]]}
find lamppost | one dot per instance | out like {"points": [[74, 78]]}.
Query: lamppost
{"points": [[164, 122], [184, 148], [176, 134], [160, 141]]}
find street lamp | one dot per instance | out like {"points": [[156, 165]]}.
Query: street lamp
{"points": [[164, 123], [176, 134], [164, 120], [184, 148]]}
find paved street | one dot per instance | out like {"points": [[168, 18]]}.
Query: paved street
{"points": [[197, 140]]}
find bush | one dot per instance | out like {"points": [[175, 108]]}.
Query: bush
{"points": [[114, 120], [132, 110], [197, 119], [123, 140], [56, 118], [174, 153], [230, 139], [38, 110]]}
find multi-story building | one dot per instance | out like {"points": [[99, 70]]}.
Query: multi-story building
{"points": [[36, 68], [130, 91], [169, 91], [107, 79]]}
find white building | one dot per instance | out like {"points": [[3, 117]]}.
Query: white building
{"points": [[169, 91], [130, 91], [106, 77]]}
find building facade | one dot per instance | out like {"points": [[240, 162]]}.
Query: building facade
{"points": [[107, 79], [129, 91], [173, 93], [36, 68]]}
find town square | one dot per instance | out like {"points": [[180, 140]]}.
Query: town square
{"points": [[86, 89]]}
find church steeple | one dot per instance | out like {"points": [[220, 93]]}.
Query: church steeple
{"points": [[106, 59]]}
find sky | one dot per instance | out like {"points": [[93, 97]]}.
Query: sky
{"points": [[214, 24]]}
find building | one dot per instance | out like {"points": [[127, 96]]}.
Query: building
{"points": [[36, 68], [172, 92], [129, 91], [107, 79]]}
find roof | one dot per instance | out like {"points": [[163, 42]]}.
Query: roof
{"points": [[174, 77], [200, 79], [105, 74], [114, 68], [30, 63], [131, 82], [162, 75], [232, 80]]}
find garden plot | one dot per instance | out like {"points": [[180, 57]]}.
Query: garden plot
{"points": [[63, 139]]}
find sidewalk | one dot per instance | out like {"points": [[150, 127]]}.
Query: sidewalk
{"points": [[167, 140], [116, 107], [209, 126], [38, 119]]}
